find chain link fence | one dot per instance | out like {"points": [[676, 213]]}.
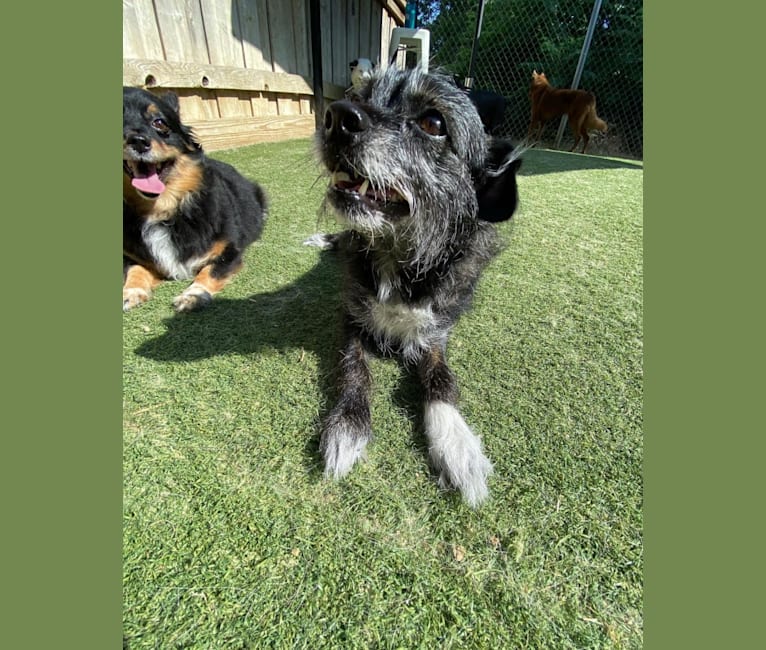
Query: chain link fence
{"points": [[519, 36]]}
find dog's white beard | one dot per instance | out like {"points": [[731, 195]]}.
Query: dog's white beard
{"points": [[456, 452]]}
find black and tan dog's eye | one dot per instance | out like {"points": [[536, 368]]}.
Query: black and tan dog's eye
{"points": [[432, 123], [160, 126]]}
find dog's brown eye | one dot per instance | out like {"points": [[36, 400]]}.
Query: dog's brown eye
{"points": [[160, 125], [432, 123]]}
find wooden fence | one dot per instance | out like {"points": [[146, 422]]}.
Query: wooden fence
{"points": [[243, 69]]}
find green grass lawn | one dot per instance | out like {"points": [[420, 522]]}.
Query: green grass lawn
{"points": [[232, 538]]}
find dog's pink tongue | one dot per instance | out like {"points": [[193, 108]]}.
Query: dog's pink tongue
{"points": [[151, 183]]}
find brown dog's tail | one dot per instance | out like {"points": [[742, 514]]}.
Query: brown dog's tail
{"points": [[598, 123], [594, 121]]}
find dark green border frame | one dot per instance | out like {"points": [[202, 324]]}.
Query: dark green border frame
{"points": [[62, 451], [62, 470], [703, 255]]}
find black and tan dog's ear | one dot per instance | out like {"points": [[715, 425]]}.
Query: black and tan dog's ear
{"points": [[171, 99], [496, 189]]}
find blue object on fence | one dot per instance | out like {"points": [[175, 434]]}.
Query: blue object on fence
{"points": [[409, 15]]}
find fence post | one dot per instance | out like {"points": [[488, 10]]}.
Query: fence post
{"points": [[468, 83], [581, 62], [315, 17]]}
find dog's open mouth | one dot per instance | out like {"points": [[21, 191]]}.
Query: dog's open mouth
{"points": [[148, 178], [358, 188]]}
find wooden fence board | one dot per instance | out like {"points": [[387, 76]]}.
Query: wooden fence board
{"points": [[198, 105], [183, 31], [165, 74], [364, 32], [237, 132], [140, 34], [283, 36], [234, 103], [340, 58], [376, 18], [352, 31], [395, 8], [326, 20], [218, 21], [302, 38], [253, 30]]}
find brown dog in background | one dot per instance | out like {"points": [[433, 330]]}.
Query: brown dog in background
{"points": [[549, 102]]}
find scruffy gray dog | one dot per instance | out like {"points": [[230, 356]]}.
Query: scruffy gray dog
{"points": [[417, 184]]}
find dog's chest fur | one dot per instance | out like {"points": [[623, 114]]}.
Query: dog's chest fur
{"points": [[407, 309], [164, 252], [392, 320], [384, 306]]}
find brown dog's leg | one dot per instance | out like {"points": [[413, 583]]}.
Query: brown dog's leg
{"points": [[537, 122], [575, 123], [137, 286], [532, 124]]}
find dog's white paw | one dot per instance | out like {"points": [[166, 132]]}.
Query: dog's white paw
{"points": [[456, 453], [342, 447], [195, 297], [319, 240], [133, 297]]}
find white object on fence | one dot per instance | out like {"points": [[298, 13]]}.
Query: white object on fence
{"points": [[416, 40]]}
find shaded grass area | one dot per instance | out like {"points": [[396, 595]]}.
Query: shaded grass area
{"points": [[232, 539]]}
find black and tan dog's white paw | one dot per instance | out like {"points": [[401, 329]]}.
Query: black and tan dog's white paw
{"points": [[133, 297], [195, 297]]}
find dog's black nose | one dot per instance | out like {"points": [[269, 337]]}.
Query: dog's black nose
{"points": [[342, 118], [139, 142]]}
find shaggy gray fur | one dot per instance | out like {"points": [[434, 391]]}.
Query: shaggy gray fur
{"points": [[417, 184]]}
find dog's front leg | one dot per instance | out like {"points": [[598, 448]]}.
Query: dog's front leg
{"points": [[225, 262], [347, 429], [137, 284], [454, 449]]}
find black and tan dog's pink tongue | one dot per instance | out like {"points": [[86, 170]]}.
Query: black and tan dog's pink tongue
{"points": [[150, 183]]}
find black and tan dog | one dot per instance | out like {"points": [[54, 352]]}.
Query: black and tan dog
{"points": [[418, 185], [184, 216]]}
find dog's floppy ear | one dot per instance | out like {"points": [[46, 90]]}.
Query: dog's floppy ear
{"points": [[496, 190], [171, 99]]}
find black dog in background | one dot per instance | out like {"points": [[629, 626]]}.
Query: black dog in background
{"points": [[184, 216], [490, 105], [418, 184]]}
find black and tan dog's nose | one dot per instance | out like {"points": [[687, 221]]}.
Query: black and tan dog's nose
{"points": [[140, 143], [342, 119]]}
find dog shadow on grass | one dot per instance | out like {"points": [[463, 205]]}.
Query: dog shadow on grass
{"points": [[301, 316], [304, 315]]}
